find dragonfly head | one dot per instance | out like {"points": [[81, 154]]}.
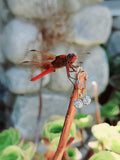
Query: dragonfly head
{"points": [[71, 57]]}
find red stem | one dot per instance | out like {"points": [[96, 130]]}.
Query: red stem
{"points": [[68, 120]]}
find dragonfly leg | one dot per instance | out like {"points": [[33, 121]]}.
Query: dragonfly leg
{"points": [[71, 66], [70, 80], [72, 71], [68, 75]]}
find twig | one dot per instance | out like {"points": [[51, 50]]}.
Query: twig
{"points": [[98, 115], [69, 118], [39, 114], [65, 156], [82, 141]]}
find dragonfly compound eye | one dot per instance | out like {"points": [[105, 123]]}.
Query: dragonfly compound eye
{"points": [[71, 54], [71, 57]]}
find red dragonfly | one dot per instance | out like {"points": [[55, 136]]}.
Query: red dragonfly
{"points": [[50, 63]]}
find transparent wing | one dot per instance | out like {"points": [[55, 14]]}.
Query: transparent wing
{"points": [[83, 52], [36, 58]]}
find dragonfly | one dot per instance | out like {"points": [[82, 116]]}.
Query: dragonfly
{"points": [[49, 63]]}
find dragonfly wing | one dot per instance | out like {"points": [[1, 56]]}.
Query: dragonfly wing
{"points": [[48, 56], [37, 65], [38, 56]]}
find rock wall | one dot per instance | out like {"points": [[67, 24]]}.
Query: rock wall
{"points": [[58, 27]]}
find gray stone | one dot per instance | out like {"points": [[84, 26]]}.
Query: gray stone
{"points": [[18, 37], [25, 111], [72, 6], [18, 81], [97, 69], [2, 76], [2, 58], [35, 9], [45, 9], [1, 26], [114, 43], [4, 14], [91, 26], [59, 81], [116, 22], [8, 98], [42, 148]]}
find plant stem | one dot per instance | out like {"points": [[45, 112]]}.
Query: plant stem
{"points": [[65, 156], [39, 115], [66, 129], [69, 118], [82, 140], [98, 115]]}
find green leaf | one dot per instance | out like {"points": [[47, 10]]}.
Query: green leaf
{"points": [[82, 120], [118, 123], [53, 129], [12, 153], [115, 155], [29, 150], [95, 145], [100, 131], [9, 137], [102, 155], [39, 156], [109, 110], [71, 153], [116, 98], [108, 135], [74, 154]]}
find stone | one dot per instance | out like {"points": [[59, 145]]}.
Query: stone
{"points": [[42, 148], [114, 44], [5, 15], [2, 85], [8, 99], [2, 76], [59, 81], [18, 81], [25, 111], [35, 9], [2, 57], [1, 26], [97, 69], [116, 23], [18, 37], [72, 6], [91, 26], [76, 5]]}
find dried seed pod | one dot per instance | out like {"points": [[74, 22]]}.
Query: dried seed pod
{"points": [[78, 103], [86, 100]]}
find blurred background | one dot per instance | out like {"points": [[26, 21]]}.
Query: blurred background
{"points": [[57, 27]]}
